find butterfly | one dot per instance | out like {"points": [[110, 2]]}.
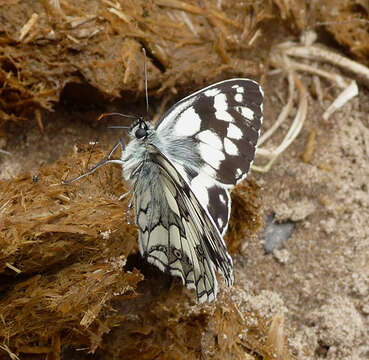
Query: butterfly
{"points": [[180, 172]]}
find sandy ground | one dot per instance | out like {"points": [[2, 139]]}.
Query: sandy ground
{"points": [[320, 279], [322, 274]]}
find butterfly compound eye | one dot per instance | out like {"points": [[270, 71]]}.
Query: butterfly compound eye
{"points": [[140, 133]]}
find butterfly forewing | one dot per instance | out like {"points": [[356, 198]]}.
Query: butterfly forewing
{"points": [[223, 123], [211, 136]]}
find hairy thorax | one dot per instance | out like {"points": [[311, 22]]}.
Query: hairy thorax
{"points": [[136, 155]]}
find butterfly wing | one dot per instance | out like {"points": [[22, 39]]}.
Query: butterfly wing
{"points": [[177, 234], [211, 137]]}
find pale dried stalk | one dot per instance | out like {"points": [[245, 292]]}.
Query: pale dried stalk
{"points": [[4, 206], [283, 114], [318, 53], [347, 94], [338, 79], [300, 117], [180, 5], [120, 14], [12, 267], [10, 353], [276, 338], [5, 152], [80, 20], [189, 23], [111, 4], [28, 26], [209, 12], [256, 35], [293, 131]]}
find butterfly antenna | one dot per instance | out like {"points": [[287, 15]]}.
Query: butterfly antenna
{"points": [[118, 127], [146, 92], [104, 115]]}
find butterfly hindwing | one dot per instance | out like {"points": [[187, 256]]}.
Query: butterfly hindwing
{"points": [[183, 239], [214, 197], [198, 216], [168, 238]]}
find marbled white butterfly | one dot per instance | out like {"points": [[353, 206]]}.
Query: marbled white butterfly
{"points": [[180, 171]]}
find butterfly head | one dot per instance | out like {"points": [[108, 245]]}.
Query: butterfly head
{"points": [[140, 129]]}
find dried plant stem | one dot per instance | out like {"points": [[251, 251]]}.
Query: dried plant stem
{"points": [[12, 267], [293, 131], [28, 26], [282, 61], [180, 5], [317, 52], [338, 79], [10, 353], [284, 113], [347, 94]]}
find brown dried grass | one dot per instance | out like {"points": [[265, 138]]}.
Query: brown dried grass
{"points": [[45, 45], [347, 21], [59, 270]]}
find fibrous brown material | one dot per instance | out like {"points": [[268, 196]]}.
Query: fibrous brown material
{"points": [[173, 327], [346, 20], [65, 285], [45, 45], [61, 261], [246, 204]]}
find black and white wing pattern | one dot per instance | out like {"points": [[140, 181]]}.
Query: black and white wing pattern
{"points": [[177, 234], [211, 137], [181, 172]]}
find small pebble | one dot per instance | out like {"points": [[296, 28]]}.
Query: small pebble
{"points": [[275, 234]]}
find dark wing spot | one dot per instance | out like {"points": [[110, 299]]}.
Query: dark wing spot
{"points": [[177, 253]]}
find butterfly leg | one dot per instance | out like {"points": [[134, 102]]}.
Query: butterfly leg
{"points": [[105, 160], [129, 207], [124, 195], [131, 192]]}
